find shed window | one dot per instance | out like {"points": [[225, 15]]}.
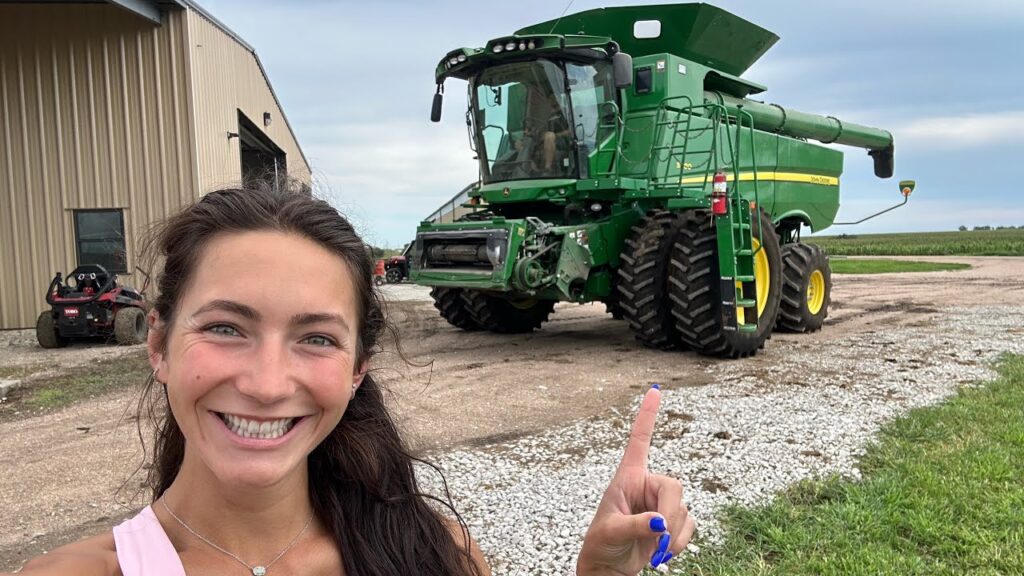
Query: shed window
{"points": [[99, 239]]}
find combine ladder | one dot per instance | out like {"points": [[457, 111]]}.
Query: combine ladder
{"points": [[716, 138]]}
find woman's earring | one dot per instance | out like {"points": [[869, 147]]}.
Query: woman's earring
{"points": [[155, 379], [355, 387]]}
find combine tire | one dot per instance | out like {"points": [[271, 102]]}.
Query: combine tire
{"points": [[504, 316], [695, 289], [642, 280], [806, 288], [453, 308], [46, 332], [130, 326]]}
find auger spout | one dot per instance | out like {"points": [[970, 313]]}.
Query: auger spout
{"points": [[824, 129]]}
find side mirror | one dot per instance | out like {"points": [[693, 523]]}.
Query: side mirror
{"points": [[906, 187], [622, 69], [435, 109]]}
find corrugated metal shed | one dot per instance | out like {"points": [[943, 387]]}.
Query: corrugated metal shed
{"points": [[228, 79], [101, 108]]}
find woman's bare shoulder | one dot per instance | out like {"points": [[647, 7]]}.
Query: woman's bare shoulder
{"points": [[462, 538], [94, 556]]}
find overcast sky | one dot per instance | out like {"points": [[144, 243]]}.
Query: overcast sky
{"points": [[944, 76]]}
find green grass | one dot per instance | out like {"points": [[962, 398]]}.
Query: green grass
{"points": [[942, 494], [16, 372], [80, 383], [843, 266], [966, 243]]}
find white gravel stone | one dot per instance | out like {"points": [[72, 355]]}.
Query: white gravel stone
{"points": [[404, 291]]}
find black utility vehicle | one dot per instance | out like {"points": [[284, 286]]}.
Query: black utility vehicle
{"points": [[89, 303]]}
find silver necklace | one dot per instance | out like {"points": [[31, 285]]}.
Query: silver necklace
{"points": [[259, 570]]}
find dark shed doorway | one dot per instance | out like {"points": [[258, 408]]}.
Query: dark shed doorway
{"points": [[262, 160]]}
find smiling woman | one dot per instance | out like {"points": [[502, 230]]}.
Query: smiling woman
{"points": [[258, 391], [275, 452]]}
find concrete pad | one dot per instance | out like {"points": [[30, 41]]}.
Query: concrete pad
{"points": [[7, 386]]}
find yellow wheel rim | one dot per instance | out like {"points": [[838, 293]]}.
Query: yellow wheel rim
{"points": [[762, 278], [815, 292]]}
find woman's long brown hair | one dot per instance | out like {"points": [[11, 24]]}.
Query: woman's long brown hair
{"points": [[361, 477]]}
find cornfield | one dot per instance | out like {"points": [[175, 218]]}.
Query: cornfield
{"points": [[965, 243]]}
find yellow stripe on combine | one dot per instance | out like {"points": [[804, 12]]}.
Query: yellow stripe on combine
{"points": [[773, 176]]}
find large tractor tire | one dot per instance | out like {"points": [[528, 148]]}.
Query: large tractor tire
{"points": [[806, 288], [46, 332], [504, 316], [130, 326], [454, 308], [695, 288], [642, 280]]}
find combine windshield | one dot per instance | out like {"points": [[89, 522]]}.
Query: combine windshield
{"points": [[521, 115]]}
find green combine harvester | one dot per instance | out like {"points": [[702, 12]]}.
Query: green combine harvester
{"points": [[622, 161]]}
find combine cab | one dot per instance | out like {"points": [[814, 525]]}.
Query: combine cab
{"points": [[622, 160]]}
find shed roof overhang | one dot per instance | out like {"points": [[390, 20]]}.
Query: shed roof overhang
{"points": [[148, 9]]}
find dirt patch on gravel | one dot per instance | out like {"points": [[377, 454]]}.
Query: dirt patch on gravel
{"points": [[60, 482]]}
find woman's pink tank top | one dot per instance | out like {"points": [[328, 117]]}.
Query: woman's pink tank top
{"points": [[143, 548]]}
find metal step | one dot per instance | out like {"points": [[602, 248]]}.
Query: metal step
{"points": [[680, 148], [676, 185], [746, 303]]}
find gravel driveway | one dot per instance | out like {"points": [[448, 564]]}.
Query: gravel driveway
{"points": [[527, 477], [759, 427]]}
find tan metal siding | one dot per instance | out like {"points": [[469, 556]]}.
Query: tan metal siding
{"points": [[93, 114], [226, 78]]}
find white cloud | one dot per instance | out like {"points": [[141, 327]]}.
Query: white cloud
{"points": [[396, 159], [963, 131], [387, 176]]}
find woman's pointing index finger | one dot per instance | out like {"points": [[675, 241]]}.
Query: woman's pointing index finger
{"points": [[643, 429]]}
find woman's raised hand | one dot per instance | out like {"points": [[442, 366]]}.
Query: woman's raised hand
{"points": [[641, 519]]}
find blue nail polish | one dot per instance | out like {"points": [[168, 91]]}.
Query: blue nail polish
{"points": [[668, 556], [656, 386], [659, 554], [663, 547], [663, 541], [656, 559], [657, 524]]}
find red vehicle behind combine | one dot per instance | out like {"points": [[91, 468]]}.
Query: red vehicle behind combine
{"points": [[396, 269]]}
